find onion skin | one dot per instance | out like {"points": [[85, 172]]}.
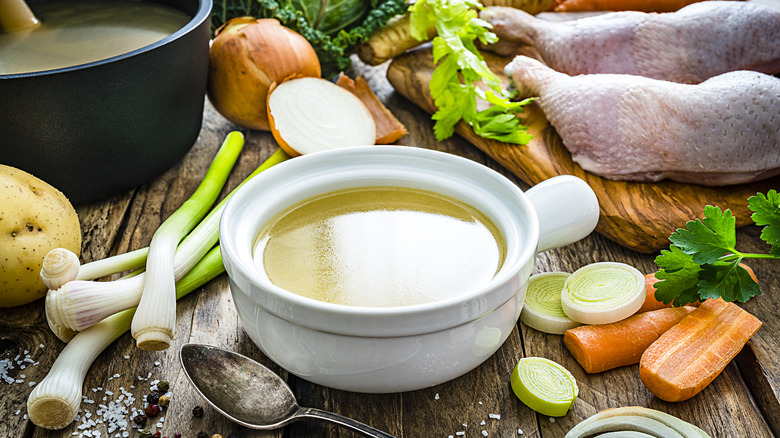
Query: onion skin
{"points": [[246, 57]]}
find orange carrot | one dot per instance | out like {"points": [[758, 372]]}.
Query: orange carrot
{"points": [[602, 347], [620, 5], [685, 359], [388, 128], [651, 303]]}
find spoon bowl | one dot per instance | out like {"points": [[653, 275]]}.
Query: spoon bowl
{"points": [[250, 394]]}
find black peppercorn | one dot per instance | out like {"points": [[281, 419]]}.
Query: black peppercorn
{"points": [[152, 410], [203, 435], [140, 420], [145, 434], [163, 386], [197, 412], [153, 397]]}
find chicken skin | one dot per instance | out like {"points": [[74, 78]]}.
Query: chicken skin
{"points": [[725, 130], [697, 42]]}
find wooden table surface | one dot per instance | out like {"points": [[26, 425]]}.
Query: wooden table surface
{"points": [[743, 401]]}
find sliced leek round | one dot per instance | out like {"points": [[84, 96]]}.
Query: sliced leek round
{"points": [[601, 293], [542, 307], [544, 386]]}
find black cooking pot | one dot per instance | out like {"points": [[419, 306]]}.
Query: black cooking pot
{"points": [[100, 128]]}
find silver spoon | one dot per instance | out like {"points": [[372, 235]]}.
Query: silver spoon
{"points": [[250, 394]]}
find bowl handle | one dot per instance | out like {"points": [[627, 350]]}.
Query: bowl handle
{"points": [[567, 208]]}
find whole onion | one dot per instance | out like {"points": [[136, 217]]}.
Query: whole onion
{"points": [[246, 57]]}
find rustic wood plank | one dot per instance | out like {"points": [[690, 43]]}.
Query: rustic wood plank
{"points": [[759, 364], [208, 315], [622, 386]]}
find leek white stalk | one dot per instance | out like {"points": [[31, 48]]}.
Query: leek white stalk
{"points": [[62, 265], [544, 386], [80, 304], [54, 315], [542, 307], [54, 402], [602, 293], [153, 325]]}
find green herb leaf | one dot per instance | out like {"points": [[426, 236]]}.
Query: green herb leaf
{"points": [[707, 239], [727, 280], [679, 276], [460, 68], [332, 27], [766, 210]]}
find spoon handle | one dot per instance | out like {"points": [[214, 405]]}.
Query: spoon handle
{"points": [[356, 426]]}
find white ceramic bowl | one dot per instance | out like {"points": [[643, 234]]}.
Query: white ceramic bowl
{"points": [[394, 349]]}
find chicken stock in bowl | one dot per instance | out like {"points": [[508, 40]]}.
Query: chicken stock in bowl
{"points": [[394, 347]]}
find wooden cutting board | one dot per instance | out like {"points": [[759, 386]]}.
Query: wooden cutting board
{"points": [[640, 216]]}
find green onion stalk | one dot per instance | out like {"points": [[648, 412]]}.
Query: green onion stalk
{"points": [[81, 304], [54, 402]]}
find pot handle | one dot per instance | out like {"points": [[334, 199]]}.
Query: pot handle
{"points": [[567, 208]]}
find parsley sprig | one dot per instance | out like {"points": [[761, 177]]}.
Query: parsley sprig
{"points": [[703, 262], [460, 67]]}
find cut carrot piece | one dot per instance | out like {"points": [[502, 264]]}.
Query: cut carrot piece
{"points": [[650, 302], [388, 128], [685, 359], [602, 347]]}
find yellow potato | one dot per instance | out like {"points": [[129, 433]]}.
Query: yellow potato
{"points": [[34, 219]]}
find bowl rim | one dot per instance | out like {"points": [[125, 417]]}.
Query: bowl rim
{"points": [[203, 14], [363, 320]]}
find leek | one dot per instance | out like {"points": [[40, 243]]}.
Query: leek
{"points": [[635, 419], [62, 265], [544, 386], [542, 308], [54, 402], [602, 293], [79, 304], [154, 324]]}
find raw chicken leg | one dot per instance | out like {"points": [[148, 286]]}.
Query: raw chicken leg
{"points": [[691, 45], [725, 130]]}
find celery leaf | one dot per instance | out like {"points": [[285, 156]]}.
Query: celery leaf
{"points": [[459, 68]]}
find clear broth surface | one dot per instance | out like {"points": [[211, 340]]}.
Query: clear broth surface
{"points": [[380, 246], [81, 31]]}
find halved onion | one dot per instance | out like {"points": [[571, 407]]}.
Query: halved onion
{"points": [[544, 386], [245, 58], [601, 293], [314, 114], [542, 307]]}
